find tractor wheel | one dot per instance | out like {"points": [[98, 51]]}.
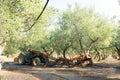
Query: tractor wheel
{"points": [[21, 59], [36, 61]]}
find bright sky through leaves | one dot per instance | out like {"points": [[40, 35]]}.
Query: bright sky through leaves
{"points": [[108, 8]]}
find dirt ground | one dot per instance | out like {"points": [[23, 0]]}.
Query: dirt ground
{"points": [[108, 69]]}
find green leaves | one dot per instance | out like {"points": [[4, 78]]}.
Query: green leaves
{"points": [[19, 15], [83, 25], [76, 28]]}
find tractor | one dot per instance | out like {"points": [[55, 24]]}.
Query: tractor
{"points": [[32, 57]]}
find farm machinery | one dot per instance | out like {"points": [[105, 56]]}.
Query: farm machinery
{"points": [[38, 58], [32, 57]]}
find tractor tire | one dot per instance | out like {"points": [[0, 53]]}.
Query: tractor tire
{"points": [[21, 59], [36, 61]]}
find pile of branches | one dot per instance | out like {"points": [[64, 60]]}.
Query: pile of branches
{"points": [[79, 60]]}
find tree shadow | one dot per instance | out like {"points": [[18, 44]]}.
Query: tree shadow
{"points": [[51, 73]]}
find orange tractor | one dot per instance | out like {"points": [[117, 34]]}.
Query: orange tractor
{"points": [[32, 57]]}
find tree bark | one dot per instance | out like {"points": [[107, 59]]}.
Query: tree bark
{"points": [[81, 46], [51, 52], [45, 50], [118, 50], [48, 53], [92, 42], [64, 53], [97, 55]]}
